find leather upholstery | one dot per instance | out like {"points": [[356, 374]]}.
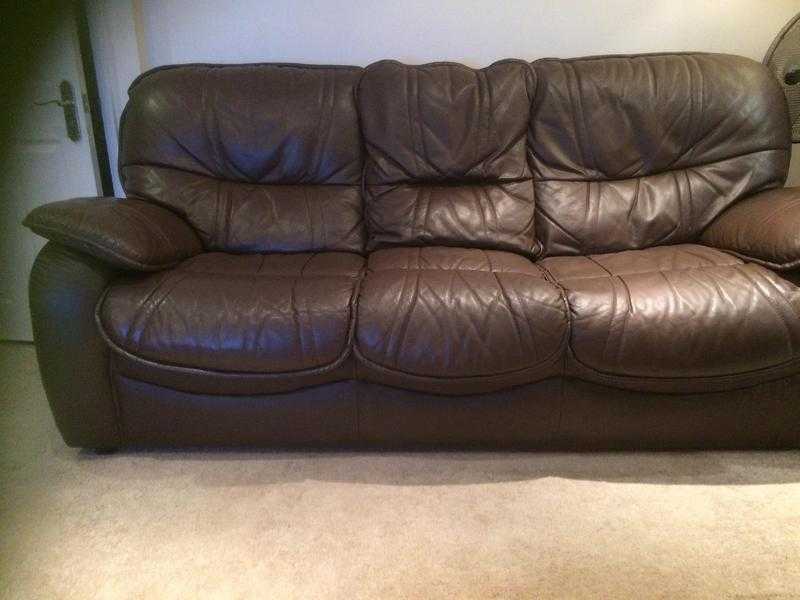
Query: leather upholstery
{"points": [[125, 233], [268, 314], [250, 155], [631, 152], [446, 155], [679, 318], [764, 229], [65, 286], [453, 319], [554, 414], [263, 324]]}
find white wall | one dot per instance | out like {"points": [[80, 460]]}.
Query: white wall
{"points": [[475, 32], [118, 60]]}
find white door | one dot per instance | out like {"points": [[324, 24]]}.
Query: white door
{"points": [[44, 165]]}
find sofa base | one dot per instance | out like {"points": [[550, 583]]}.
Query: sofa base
{"points": [[554, 414]]}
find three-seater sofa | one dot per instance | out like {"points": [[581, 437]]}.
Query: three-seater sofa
{"points": [[590, 253]]}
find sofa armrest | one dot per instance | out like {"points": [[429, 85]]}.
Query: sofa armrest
{"points": [[123, 232], [763, 229], [65, 287]]}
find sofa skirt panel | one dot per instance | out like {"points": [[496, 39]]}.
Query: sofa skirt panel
{"points": [[553, 414]]}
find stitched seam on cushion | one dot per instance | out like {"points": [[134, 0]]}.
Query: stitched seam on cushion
{"points": [[225, 374], [449, 182], [210, 175], [672, 270], [414, 146], [511, 312], [764, 263], [592, 259], [276, 65], [712, 379], [456, 378], [267, 274], [387, 270], [567, 342], [661, 172]]}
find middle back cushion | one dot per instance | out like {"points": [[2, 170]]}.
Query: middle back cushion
{"points": [[446, 155]]}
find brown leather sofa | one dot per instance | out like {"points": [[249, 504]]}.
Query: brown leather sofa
{"points": [[587, 253]]}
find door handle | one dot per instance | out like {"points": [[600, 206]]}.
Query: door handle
{"points": [[60, 103], [67, 104]]}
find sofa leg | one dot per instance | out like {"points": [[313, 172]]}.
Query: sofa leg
{"points": [[104, 451]]}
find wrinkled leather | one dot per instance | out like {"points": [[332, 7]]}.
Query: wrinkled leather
{"points": [[696, 321], [267, 314], [446, 155], [454, 319], [497, 216], [764, 229], [630, 152], [281, 333], [241, 217], [652, 260], [214, 141], [127, 233]]}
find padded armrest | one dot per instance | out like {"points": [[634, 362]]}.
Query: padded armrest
{"points": [[124, 232], [763, 229]]}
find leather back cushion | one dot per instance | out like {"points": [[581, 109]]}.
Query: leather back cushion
{"points": [[638, 151], [257, 158], [446, 155]]}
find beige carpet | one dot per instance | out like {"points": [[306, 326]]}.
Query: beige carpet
{"points": [[371, 525]]}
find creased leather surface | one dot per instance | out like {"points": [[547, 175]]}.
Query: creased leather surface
{"points": [[669, 346], [764, 229], [631, 152], [497, 216], [266, 314], [213, 141], [241, 217], [699, 315], [433, 315], [123, 232], [443, 144], [659, 258]]}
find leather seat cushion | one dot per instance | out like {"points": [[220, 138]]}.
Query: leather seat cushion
{"points": [[273, 313], [435, 314], [677, 313]]}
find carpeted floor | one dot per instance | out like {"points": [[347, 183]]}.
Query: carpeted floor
{"points": [[384, 525]]}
